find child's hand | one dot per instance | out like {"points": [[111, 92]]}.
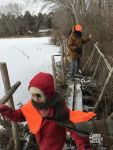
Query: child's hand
{"points": [[44, 112], [4, 109]]}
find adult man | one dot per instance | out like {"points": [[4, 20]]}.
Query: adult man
{"points": [[75, 44]]}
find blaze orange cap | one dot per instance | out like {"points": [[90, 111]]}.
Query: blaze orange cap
{"points": [[78, 27]]}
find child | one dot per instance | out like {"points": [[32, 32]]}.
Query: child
{"points": [[43, 112]]}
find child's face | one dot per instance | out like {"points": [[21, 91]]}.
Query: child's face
{"points": [[37, 98]]}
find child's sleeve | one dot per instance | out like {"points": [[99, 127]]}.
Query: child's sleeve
{"points": [[13, 115]]}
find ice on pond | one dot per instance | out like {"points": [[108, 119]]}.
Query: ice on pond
{"points": [[25, 57]]}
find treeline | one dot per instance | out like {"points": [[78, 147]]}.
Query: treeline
{"points": [[12, 24]]}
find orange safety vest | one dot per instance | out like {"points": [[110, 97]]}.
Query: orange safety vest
{"points": [[34, 118]]}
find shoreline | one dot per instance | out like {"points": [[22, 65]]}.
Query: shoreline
{"points": [[27, 36]]}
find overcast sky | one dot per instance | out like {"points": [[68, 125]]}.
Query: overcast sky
{"points": [[5, 2], [27, 5]]}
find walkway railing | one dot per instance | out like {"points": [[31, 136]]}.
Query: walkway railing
{"points": [[107, 64]]}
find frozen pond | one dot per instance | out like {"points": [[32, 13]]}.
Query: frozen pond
{"points": [[22, 67]]}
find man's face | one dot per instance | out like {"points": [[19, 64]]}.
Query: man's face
{"points": [[77, 34], [37, 98]]}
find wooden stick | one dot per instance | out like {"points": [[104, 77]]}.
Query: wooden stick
{"points": [[89, 60], [7, 86], [96, 67], [103, 89], [110, 117], [9, 94], [92, 56]]}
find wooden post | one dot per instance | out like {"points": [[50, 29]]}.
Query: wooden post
{"points": [[62, 64], [103, 89], [65, 46], [54, 71], [6, 81], [9, 94]]}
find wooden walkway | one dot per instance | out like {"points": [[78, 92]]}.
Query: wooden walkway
{"points": [[74, 95]]}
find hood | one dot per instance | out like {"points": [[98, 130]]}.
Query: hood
{"points": [[45, 83]]}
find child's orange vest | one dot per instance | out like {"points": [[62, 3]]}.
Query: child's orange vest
{"points": [[34, 119]]}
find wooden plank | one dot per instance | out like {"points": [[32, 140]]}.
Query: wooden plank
{"points": [[78, 104], [74, 95], [70, 95]]}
